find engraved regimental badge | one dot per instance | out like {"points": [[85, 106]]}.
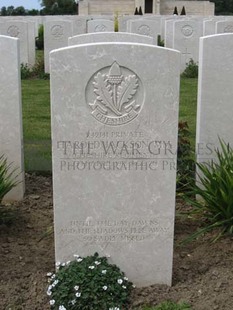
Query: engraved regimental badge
{"points": [[115, 95]]}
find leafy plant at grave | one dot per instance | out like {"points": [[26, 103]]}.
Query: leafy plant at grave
{"points": [[7, 183], [40, 38], [116, 23], [213, 194], [185, 162], [35, 72], [160, 42], [89, 283], [168, 305], [191, 70], [38, 70], [25, 71]]}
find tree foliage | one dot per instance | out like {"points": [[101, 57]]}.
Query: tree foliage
{"points": [[223, 7], [58, 7]]}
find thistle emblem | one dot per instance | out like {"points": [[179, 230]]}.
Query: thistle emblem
{"points": [[114, 102]]}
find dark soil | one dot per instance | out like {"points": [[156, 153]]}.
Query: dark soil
{"points": [[202, 275]]}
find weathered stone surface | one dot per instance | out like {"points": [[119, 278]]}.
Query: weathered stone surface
{"points": [[109, 37], [224, 26], [114, 133], [11, 134], [215, 93]]}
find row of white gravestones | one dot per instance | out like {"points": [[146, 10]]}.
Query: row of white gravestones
{"points": [[114, 137], [11, 134], [25, 32], [215, 93]]}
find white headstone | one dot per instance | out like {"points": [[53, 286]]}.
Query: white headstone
{"points": [[31, 43], [11, 133], [17, 29], [109, 37], [186, 40], [215, 93], [100, 25], [114, 136], [56, 34], [146, 27]]}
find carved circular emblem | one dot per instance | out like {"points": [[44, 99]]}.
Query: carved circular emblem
{"points": [[144, 30], [57, 31], [228, 28], [115, 95], [100, 28], [187, 30], [13, 31]]}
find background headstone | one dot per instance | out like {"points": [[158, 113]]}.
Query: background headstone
{"points": [[56, 34], [215, 93], [186, 40], [17, 29], [114, 136], [146, 27], [11, 133]]}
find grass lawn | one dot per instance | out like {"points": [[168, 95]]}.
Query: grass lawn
{"points": [[36, 119]]}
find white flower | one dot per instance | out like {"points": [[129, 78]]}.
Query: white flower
{"points": [[67, 263], [91, 267], [124, 286], [50, 287], [49, 293], [134, 286], [63, 265], [73, 302], [49, 274], [78, 294], [61, 308], [126, 279], [104, 271], [105, 287], [119, 281], [52, 302], [76, 287], [54, 283], [53, 276], [114, 308], [79, 260], [76, 255], [58, 264], [97, 263]]}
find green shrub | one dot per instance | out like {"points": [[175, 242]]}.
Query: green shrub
{"points": [[7, 183], [191, 70], [214, 193], [116, 23], [38, 70], [40, 38], [160, 42], [35, 72], [185, 162], [7, 177], [25, 72], [89, 283]]}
